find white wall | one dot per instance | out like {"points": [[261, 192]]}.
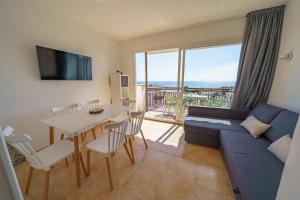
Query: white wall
{"points": [[285, 92], [230, 30], [25, 99], [285, 89]]}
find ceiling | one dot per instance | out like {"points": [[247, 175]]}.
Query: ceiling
{"points": [[125, 19]]}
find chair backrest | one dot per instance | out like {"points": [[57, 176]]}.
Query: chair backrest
{"points": [[89, 104], [130, 103], [136, 120], [21, 144], [60, 110], [116, 134]]}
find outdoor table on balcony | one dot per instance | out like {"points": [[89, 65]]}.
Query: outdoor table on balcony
{"points": [[75, 123]]}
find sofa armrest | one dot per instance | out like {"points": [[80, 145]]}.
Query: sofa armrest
{"points": [[223, 113]]}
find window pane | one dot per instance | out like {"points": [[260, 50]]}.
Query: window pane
{"points": [[211, 73]]}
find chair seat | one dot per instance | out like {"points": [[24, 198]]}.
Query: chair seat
{"points": [[118, 118], [101, 144], [55, 153]]}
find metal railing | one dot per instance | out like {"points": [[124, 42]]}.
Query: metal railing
{"points": [[160, 97]]}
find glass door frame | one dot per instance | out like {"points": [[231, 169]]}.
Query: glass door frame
{"points": [[181, 70], [178, 87]]}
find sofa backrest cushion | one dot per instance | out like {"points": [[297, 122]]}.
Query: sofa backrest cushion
{"points": [[265, 112], [284, 123]]}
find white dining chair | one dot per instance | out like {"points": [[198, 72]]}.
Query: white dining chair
{"points": [[86, 105], [61, 110], [90, 104], [129, 103], [129, 106], [135, 127], [109, 143], [44, 159]]}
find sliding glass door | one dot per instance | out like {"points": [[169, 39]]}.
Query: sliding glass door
{"points": [[168, 81], [210, 75], [159, 81]]}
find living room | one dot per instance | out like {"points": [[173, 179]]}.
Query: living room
{"points": [[190, 156]]}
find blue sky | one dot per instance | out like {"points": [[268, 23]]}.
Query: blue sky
{"points": [[205, 64]]}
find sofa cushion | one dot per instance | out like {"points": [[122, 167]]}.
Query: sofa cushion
{"points": [[254, 126], [256, 171], [281, 147], [283, 124], [197, 124], [265, 112]]}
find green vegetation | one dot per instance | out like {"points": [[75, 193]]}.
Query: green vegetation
{"points": [[218, 102]]}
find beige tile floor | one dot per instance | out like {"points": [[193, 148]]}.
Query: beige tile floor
{"points": [[169, 169]]}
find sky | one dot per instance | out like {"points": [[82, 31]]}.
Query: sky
{"points": [[203, 64]]}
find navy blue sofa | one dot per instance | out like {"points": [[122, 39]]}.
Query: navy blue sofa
{"points": [[254, 171]]}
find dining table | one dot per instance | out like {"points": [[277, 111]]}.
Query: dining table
{"points": [[74, 124]]}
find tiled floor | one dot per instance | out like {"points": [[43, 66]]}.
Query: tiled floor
{"points": [[169, 169]]}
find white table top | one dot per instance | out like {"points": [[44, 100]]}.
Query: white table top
{"points": [[77, 122]]}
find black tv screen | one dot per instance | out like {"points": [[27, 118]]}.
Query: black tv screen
{"points": [[60, 65]]}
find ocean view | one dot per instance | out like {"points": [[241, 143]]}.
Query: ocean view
{"points": [[191, 84]]}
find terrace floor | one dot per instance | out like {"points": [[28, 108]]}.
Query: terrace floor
{"points": [[154, 114], [169, 169]]}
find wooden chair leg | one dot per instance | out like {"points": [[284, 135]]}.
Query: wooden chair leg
{"points": [[131, 149], [46, 188], [67, 163], [88, 159], [126, 140], [109, 172], [94, 133], [125, 146], [82, 165], [82, 137], [144, 139], [29, 180]]}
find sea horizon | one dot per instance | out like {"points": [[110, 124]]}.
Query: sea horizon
{"points": [[191, 84]]}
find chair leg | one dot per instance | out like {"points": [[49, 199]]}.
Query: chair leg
{"points": [[88, 158], [102, 128], [82, 165], [131, 149], [67, 163], [125, 146], [61, 138], [29, 180], [94, 133], [82, 137], [109, 172], [144, 139], [46, 188]]}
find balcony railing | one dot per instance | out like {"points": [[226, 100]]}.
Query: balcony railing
{"points": [[166, 99]]}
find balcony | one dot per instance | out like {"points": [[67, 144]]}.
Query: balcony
{"points": [[167, 102]]}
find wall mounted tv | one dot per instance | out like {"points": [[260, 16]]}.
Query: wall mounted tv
{"points": [[60, 65]]}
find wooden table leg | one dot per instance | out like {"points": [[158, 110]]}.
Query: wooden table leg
{"points": [[51, 135], [77, 159]]}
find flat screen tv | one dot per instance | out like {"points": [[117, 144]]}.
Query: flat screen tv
{"points": [[60, 65]]}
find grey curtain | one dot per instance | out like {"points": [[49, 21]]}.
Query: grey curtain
{"points": [[258, 58]]}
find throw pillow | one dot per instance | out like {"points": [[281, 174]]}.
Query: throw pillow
{"points": [[254, 126], [281, 147]]}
